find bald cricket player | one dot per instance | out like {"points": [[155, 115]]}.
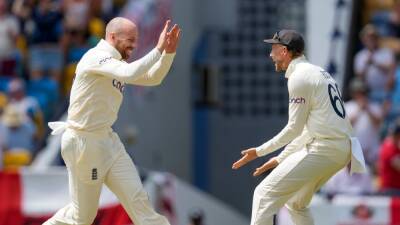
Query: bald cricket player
{"points": [[92, 152], [318, 137]]}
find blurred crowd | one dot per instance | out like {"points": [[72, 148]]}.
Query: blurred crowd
{"points": [[41, 42], [374, 107]]}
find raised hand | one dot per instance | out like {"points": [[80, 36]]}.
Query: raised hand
{"points": [[162, 40], [247, 156], [272, 163], [169, 39], [173, 39]]}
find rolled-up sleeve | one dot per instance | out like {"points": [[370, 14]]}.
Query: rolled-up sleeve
{"points": [[299, 107]]}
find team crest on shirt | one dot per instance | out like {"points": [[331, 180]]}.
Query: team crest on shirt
{"points": [[297, 100], [118, 85]]}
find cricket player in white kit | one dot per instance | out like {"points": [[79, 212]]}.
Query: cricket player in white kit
{"points": [[92, 152], [318, 137]]}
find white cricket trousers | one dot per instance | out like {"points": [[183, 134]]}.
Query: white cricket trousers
{"points": [[94, 159], [294, 181]]}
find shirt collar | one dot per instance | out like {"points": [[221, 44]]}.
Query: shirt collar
{"points": [[105, 46], [293, 63]]}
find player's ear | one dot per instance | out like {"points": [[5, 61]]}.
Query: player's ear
{"points": [[285, 51]]}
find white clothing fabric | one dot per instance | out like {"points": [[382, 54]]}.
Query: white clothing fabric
{"points": [[319, 143], [97, 90], [344, 183], [364, 129], [316, 111], [93, 159], [92, 152], [295, 180]]}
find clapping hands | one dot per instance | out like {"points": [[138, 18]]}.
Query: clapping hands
{"points": [[169, 38]]}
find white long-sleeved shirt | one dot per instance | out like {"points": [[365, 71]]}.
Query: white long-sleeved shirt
{"points": [[101, 75], [316, 110]]}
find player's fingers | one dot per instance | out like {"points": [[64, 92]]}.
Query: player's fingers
{"points": [[172, 30], [262, 169], [259, 171], [244, 152], [172, 33], [167, 23], [239, 163], [256, 172], [174, 39], [178, 34]]}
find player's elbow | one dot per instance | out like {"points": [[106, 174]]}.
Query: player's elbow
{"points": [[155, 82], [155, 77], [148, 82]]}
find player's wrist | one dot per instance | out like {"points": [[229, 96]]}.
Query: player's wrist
{"points": [[160, 49], [259, 151]]}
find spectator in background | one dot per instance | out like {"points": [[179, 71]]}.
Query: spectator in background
{"points": [[20, 132], [3, 131], [394, 106], [26, 106], [76, 13], [19, 139], [18, 98], [389, 162], [9, 31], [23, 10], [96, 31], [388, 22], [366, 118], [374, 65], [45, 54], [104, 8], [74, 43], [3, 138]]}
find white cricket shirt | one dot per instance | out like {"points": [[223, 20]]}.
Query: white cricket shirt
{"points": [[316, 109], [101, 75]]}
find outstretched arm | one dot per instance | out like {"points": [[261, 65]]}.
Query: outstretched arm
{"points": [[160, 69], [294, 146], [148, 70], [248, 156], [299, 108]]}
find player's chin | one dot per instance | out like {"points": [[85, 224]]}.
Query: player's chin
{"points": [[277, 68], [128, 52]]}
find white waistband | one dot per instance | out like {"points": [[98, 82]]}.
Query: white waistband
{"points": [[58, 127]]}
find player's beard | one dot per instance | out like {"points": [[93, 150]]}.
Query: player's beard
{"points": [[279, 67], [124, 51], [127, 53]]}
